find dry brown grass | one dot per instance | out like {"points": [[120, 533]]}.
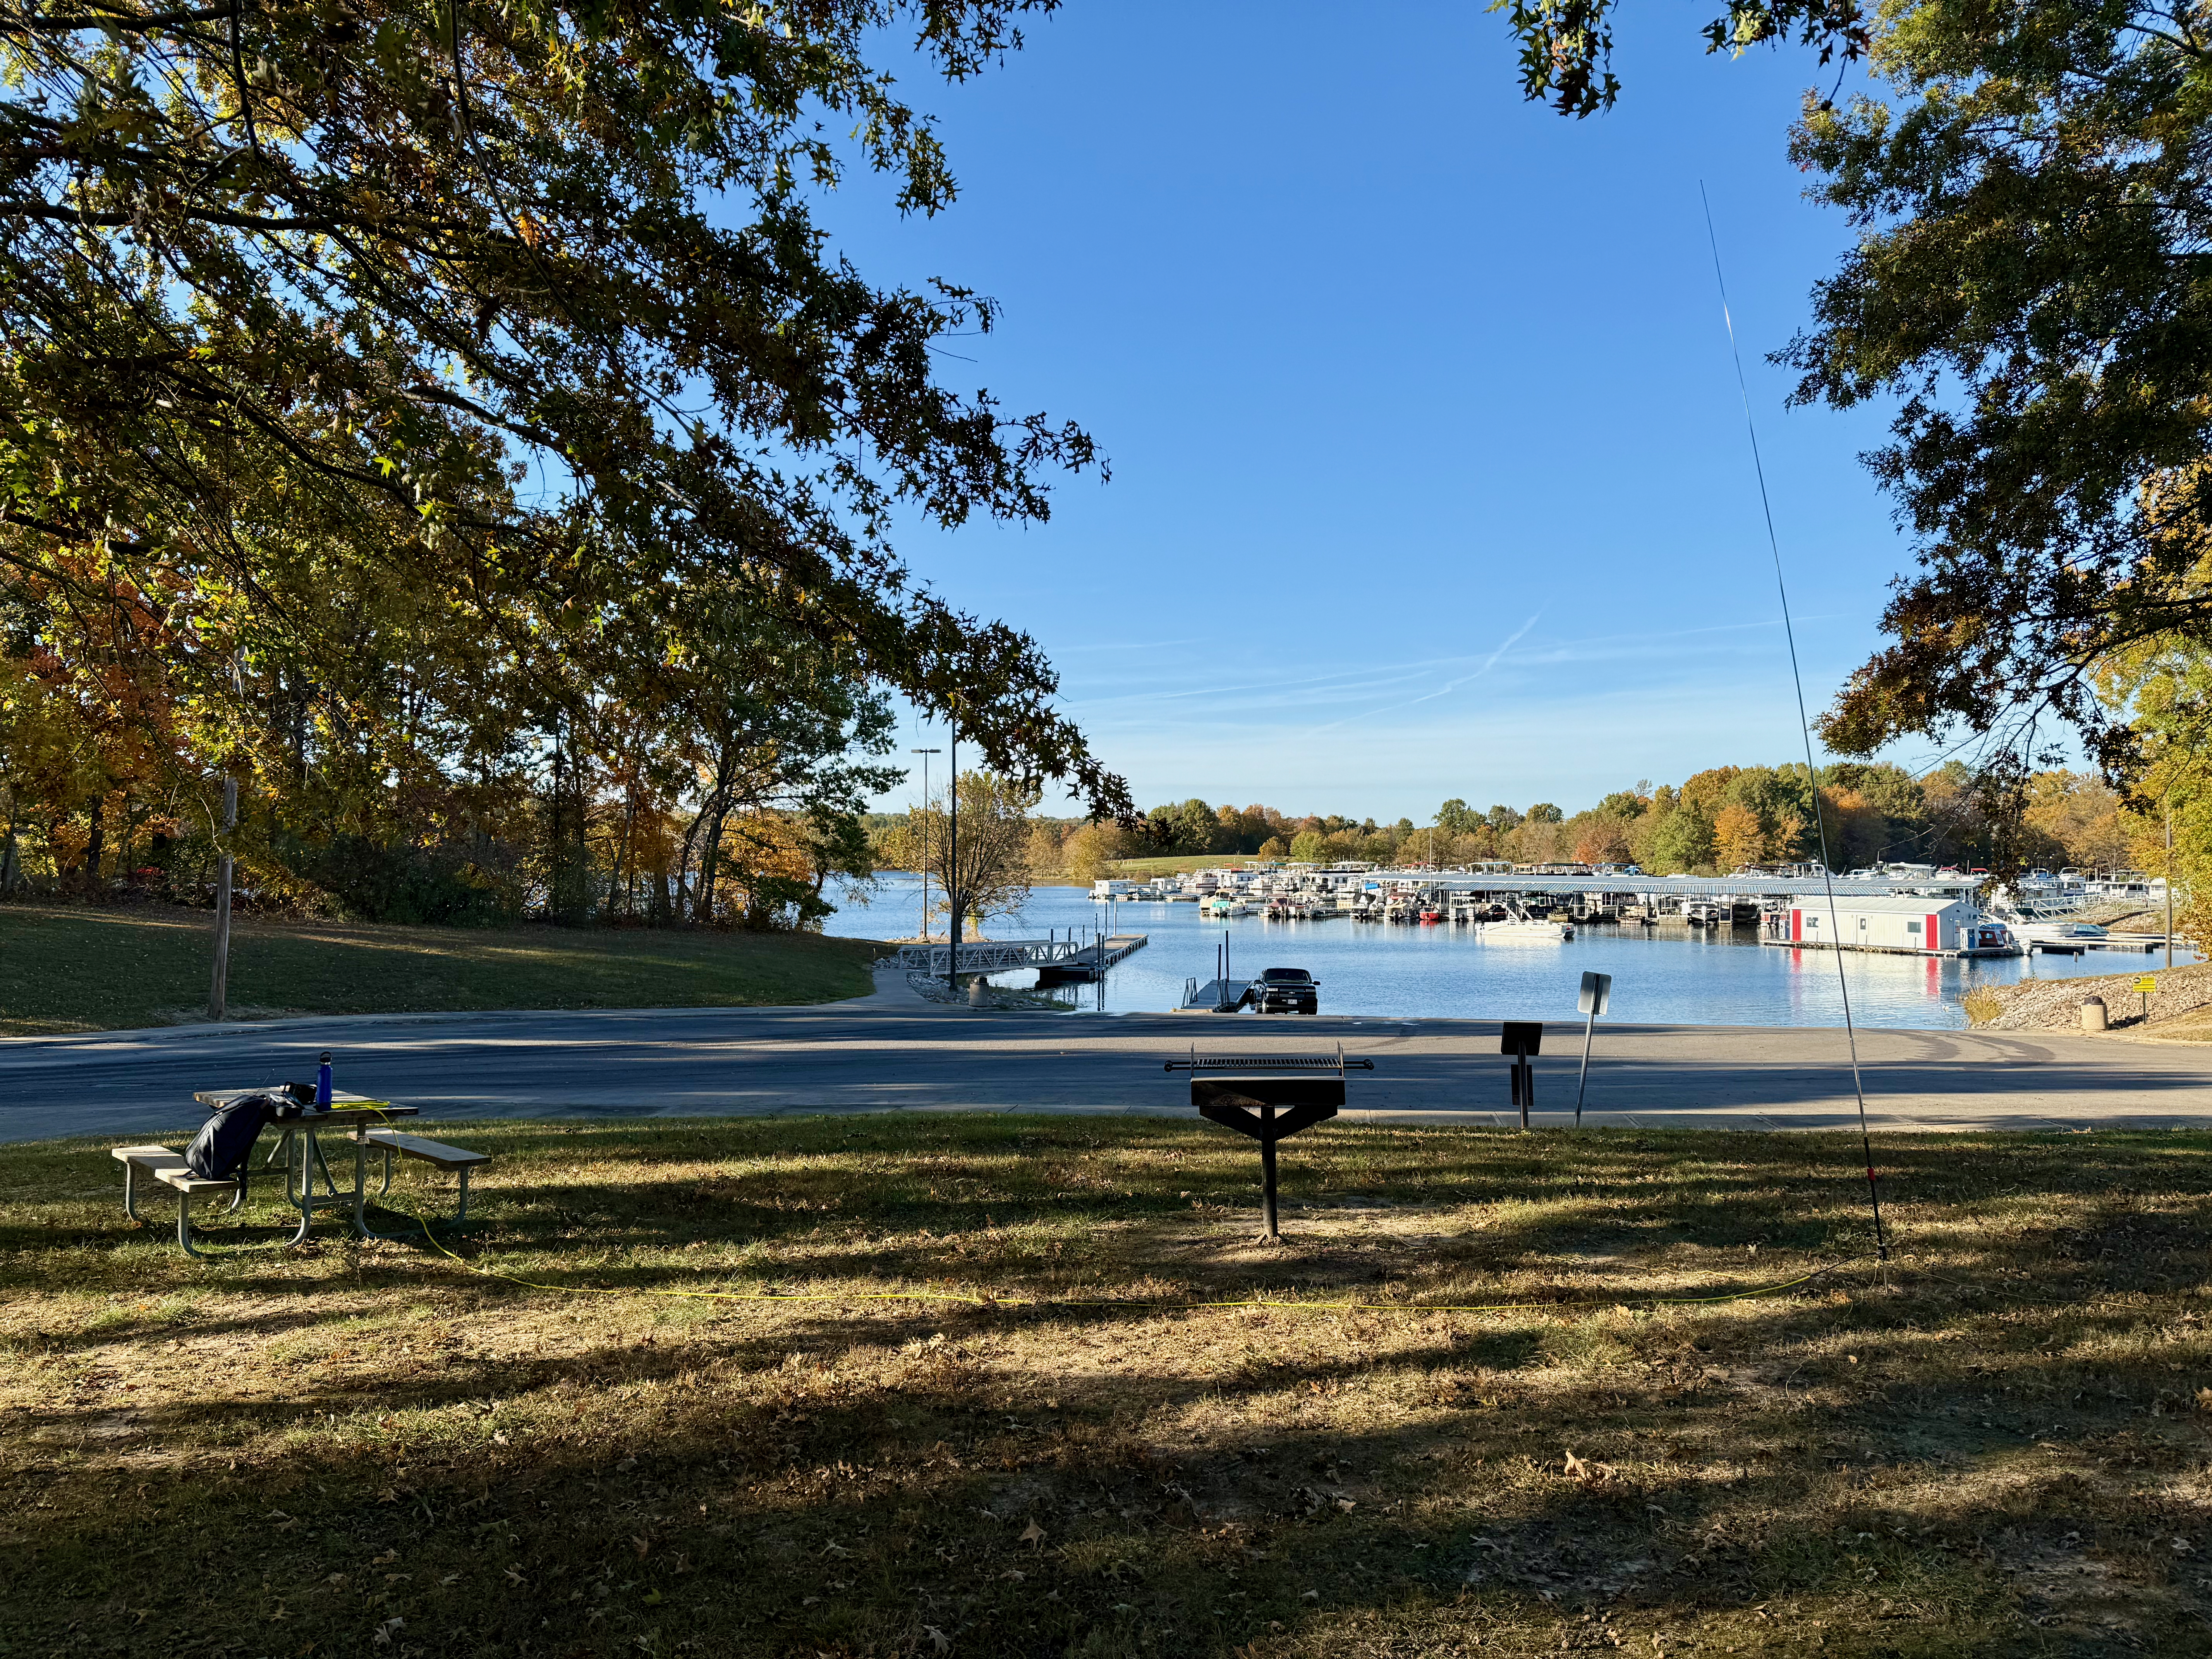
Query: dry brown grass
{"points": [[1994, 1447]]}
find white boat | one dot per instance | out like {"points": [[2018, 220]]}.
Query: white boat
{"points": [[2032, 924], [1522, 928], [1525, 931], [2054, 932]]}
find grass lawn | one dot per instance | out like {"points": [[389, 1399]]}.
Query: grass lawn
{"points": [[1996, 1446], [76, 968]]}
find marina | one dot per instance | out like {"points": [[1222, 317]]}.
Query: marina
{"points": [[1913, 910], [1677, 969]]}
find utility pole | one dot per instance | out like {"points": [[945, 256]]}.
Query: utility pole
{"points": [[2169, 880], [219, 981], [952, 864], [925, 754]]}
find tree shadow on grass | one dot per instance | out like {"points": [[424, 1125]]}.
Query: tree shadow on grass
{"points": [[1204, 1519], [1908, 1463]]}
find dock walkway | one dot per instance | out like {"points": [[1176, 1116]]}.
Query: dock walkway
{"points": [[1056, 959], [1092, 960]]}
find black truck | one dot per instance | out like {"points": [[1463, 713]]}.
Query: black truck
{"points": [[1286, 991]]}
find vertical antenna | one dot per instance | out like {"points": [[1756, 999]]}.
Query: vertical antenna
{"points": [[1804, 728]]}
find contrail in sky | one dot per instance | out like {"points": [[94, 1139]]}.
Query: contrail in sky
{"points": [[1485, 666]]}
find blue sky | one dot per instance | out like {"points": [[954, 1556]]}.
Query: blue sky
{"points": [[1428, 470]]}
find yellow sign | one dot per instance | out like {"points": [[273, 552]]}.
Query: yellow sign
{"points": [[2147, 984]]}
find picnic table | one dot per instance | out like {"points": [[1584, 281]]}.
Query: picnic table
{"points": [[366, 1122], [300, 1145]]}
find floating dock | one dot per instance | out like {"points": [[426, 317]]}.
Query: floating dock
{"points": [[1092, 961], [1215, 996]]}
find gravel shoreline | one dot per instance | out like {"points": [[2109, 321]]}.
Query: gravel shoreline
{"points": [[2048, 1005]]}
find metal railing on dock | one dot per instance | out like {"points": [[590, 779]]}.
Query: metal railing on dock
{"points": [[1067, 957]]}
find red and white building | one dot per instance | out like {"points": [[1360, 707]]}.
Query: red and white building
{"points": [[1927, 925]]}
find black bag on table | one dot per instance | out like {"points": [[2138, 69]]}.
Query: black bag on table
{"points": [[226, 1141]]}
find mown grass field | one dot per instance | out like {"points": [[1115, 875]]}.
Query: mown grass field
{"points": [[1995, 1446], [76, 968]]}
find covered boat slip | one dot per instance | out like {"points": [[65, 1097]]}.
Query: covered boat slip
{"points": [[1912, 924]]}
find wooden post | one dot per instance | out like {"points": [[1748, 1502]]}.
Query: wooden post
{"points": [[219, 979]]}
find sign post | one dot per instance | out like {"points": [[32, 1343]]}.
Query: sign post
{"points": [[1521, 1038], [1597, 993], [2145, 986]]}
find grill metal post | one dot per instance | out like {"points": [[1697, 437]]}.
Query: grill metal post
{"points": [[1268, 1167]]}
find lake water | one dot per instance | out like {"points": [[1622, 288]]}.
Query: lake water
{"points": [[1722, 978]]}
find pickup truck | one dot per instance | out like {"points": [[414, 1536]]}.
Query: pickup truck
{"points": [[1286, 991]]}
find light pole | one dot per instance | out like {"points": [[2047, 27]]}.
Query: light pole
{"points": [[952, 862], [925, 754]]}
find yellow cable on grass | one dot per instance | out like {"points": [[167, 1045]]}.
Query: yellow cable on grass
{"points": [[974, 1299]]}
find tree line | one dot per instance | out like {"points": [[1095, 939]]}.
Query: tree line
{"points": [[1713, 822]]}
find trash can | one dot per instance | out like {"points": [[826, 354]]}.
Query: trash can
{"points": [[2093, 1013]]}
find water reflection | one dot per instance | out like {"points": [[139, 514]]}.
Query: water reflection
{"points": [[1720, 978]]}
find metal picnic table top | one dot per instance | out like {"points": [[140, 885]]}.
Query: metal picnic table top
{"points": [[346, 1111]]}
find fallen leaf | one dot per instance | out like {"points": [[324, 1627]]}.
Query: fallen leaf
{"points": [[938, 1640], [1033, 1534], [641, 1547], [1576, 1467], [450, 1578], [1346, 1505], [1014, 1574], [512, 1577]]}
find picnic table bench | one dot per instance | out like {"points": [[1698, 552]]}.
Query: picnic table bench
{"points": [[436, 1153], [166, 1165]]}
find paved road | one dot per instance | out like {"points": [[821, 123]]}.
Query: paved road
{"points": [[892, 1051]]}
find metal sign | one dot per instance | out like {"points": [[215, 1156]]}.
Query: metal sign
{"points": [[2147, 984], [1521, 1038], [1597, 993]]}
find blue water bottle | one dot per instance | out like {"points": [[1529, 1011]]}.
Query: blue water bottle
{"points": [[323, 1084]]}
